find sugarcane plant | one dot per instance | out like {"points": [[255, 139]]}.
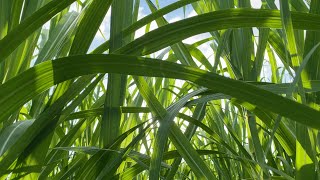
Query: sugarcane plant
{"points": [[154, 104]]}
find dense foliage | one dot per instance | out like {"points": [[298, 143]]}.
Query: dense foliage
{"points": [[229, 93]]}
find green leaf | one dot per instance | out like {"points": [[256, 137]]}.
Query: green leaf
{"points": [[12, 133], [223, 19], [11, 41], [41, 77]]}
